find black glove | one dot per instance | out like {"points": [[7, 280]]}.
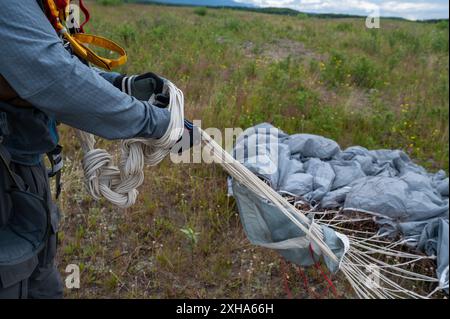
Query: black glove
{"points": [[146, 87]]}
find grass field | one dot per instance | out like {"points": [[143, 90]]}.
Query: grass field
{"points": [[380, 88]]}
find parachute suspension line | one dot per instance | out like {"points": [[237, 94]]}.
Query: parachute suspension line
{"points": [[118, 184]]}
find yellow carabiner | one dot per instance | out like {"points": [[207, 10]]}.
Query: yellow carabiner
{"points": [[79, 41]]}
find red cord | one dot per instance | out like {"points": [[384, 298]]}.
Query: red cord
{"points": [[61, 4], [306, 285], [86, 13], [304, 277], [327, 279], [285, 279]]}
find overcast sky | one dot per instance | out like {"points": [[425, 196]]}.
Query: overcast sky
{"points": [[409, 9]]}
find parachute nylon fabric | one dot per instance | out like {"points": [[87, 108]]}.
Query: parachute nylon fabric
{"points": [[265, 226], [401, 196]]}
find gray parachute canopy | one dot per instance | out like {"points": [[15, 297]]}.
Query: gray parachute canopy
{"points": [[403, 197]]}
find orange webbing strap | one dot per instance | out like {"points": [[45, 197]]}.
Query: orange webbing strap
{"points": [[79, 42], [57, 11]]}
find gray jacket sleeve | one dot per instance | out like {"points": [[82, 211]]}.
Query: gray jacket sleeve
{"points": [[108, 76], [35, 63]]}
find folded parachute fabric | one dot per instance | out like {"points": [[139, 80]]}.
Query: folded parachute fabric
{"points": [[403, 197], [265, 226]]}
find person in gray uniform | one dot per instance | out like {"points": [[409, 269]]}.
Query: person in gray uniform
{"points": [[42, 84]]}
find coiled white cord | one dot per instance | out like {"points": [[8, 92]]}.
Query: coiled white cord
{"points": [[119, 184]]}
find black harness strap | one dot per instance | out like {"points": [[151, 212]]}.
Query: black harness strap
{"points": [[41, 4], [57, 163], [6, 159]]}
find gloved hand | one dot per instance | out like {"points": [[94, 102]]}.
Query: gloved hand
{"points": [[145, 87], [153, 88]]}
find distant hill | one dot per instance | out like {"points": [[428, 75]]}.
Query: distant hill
{"points": [[231, 4]]}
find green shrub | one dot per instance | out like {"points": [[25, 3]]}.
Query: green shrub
{"points": [[394, 59], [398, 37], [439, 42], [442, 25], [233, 25], [159, 31], [335, 70], [365, 73], [200, 11], [344, 27], [314, 66], [370, 42], [407, 40], [306, 98], [127, 33]]}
